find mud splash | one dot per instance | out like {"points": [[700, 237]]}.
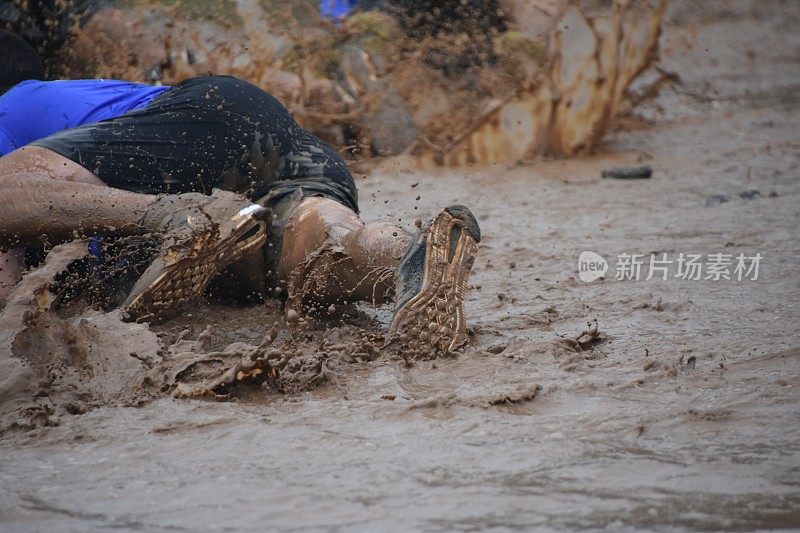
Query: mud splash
{"points": [[67, 360], [54, 366], [61, 356]]}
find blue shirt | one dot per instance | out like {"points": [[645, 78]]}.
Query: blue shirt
{"points": [[32, 110], [336, 9]]}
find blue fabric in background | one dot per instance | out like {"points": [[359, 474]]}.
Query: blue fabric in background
{"points": [[32, 110], [336, 9]]}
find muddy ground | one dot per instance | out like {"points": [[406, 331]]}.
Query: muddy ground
{"points": [[684, 415]]}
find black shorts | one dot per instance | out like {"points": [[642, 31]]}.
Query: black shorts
{"points": [[214, 131]]}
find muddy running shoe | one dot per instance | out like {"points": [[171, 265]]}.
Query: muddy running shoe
{"points": [[201, 236], [432, 281]]}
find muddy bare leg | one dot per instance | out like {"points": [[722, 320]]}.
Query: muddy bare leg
{"points": [[47, 197], [353, 261], [37, 207], [329, 254], [51, 199]]}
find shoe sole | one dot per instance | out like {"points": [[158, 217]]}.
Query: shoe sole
{"points": [[185, 280], [434, 318]]}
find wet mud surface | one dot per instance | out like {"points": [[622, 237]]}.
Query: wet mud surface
{"points": [[678, 411]]}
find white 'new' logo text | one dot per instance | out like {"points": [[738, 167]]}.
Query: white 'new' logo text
{"points": [[591, 266]]}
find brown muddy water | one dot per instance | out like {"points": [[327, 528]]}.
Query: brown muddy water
{"points": [[686, 415]]}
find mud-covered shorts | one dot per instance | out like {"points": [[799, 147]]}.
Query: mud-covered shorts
{"points": [[207, 132]]}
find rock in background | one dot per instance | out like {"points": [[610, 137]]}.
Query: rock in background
{"points": [[450, 82], [593, 55]]}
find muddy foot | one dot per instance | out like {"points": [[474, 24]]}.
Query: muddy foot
{"points": [[431, 284], [201, 237]]}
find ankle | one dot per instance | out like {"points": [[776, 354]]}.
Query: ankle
{"points": [[158, 210]]}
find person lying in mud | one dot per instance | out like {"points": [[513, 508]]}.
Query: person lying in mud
{"points": [[201, 163]]}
